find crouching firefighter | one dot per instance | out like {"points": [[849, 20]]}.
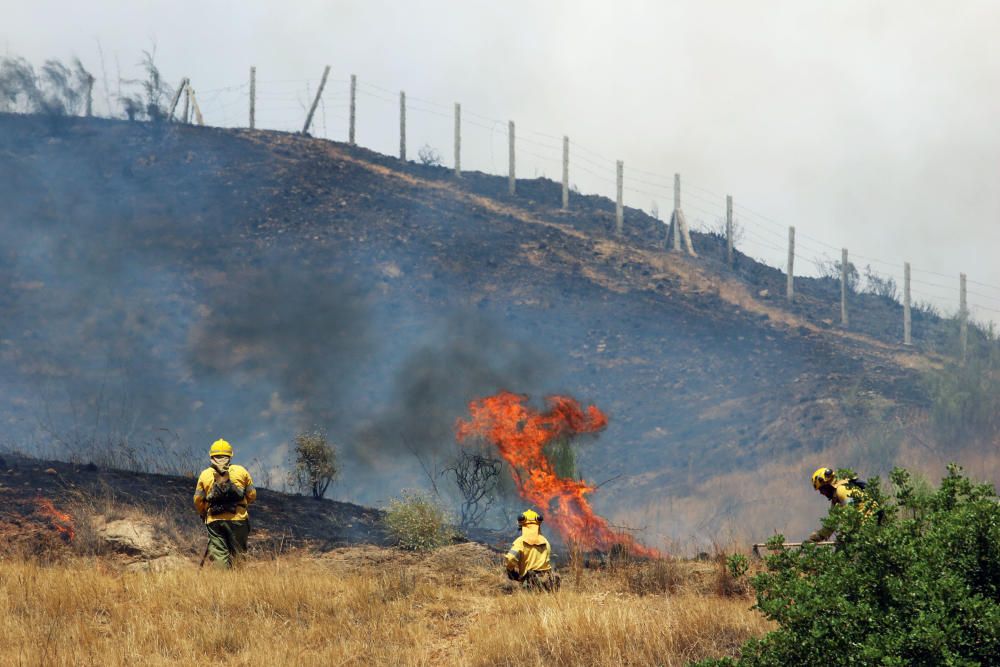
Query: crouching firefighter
{"points": [[841, 493], [529, 558], [224, 490]]}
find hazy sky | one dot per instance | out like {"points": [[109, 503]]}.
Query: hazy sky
{"points": [[868, 124]]}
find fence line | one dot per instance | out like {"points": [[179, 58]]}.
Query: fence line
{"points": [[765, 232]]}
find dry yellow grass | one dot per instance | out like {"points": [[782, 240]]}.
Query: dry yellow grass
{"points": [[364, 607]]}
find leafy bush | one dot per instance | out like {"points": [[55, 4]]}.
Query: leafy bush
{"points": [[417, 522], [919, 587], [315, 465]]}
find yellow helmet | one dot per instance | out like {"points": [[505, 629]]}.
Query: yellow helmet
{"points": [[823, 476], [221, 448], [529, 516]]}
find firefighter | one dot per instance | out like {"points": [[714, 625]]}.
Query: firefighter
{"points": [[529, 558], [840, 493], [221, 497]]}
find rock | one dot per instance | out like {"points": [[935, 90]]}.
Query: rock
{"points": [[51, 471], [763, 293], [161, 564], [132, 537]]}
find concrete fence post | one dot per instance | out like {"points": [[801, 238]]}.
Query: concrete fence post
{"points": [[186, 113], [729, 230], [511, 179], [458, 140], [907, 322], [319, 94], [843, 287], [674, 231], [963, 317], [352, 120], [90, 96], [565, 174], [619, 202], [195, 108], [790, 288], [402, 125], [253, 97]]}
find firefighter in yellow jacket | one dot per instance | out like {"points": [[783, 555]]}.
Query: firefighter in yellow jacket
{"points": [[224, 490], [529, 558], [840, 492]]}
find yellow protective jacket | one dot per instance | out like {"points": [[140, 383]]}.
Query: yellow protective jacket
{"points": [[206, 480], [530, 551], [844, 494]]}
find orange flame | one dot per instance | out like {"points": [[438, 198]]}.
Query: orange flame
{"points": [[520, 434], [60, 520]]}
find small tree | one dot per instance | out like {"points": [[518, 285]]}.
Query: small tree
{"points": [[429, 156], [476, 477], [883, 286], [315, 465], [562, 457]]}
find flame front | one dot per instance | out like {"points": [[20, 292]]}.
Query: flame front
{"points": [[520, 434], [60, 520]]}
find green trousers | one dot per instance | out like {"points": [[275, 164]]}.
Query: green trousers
{"points": [[227, 541]]}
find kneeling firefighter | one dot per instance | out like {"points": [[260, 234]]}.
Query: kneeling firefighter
{"points": [[529, 558], [840, 492], [221, 497]]}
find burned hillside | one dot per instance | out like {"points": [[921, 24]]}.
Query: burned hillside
{"points": [[165, 284]]}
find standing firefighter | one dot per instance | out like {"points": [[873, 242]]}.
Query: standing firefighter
{"points": [[221, 498], [528, 560], [840, 492]]}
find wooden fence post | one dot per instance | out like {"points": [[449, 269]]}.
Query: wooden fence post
{"points": [[619, 203], [790, 289], [843, 287], [565, 174], [186, 113], [319, 94], [402, 125], [907, 322], [458, 140], [963, 317], [253, 97], [729, 230], [511, 180], [177, 97], [354, 93]]}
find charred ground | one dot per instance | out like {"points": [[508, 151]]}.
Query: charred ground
{"points": [[209, 281]]}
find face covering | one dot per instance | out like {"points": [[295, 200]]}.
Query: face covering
{"points": [[221, 465]]}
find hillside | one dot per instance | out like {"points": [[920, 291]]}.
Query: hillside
{"points": [[168, 284]]}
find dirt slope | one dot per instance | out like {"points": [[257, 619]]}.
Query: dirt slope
{"points": [[252, 283]]}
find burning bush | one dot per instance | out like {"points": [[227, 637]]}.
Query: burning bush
{"points": [[920, 587], [521, 435], [417, 522]]}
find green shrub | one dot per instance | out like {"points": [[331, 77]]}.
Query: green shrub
{"points": [[920, 586], [417, 522]]}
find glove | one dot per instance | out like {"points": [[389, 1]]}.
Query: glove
{"points": [[219, 490]]}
